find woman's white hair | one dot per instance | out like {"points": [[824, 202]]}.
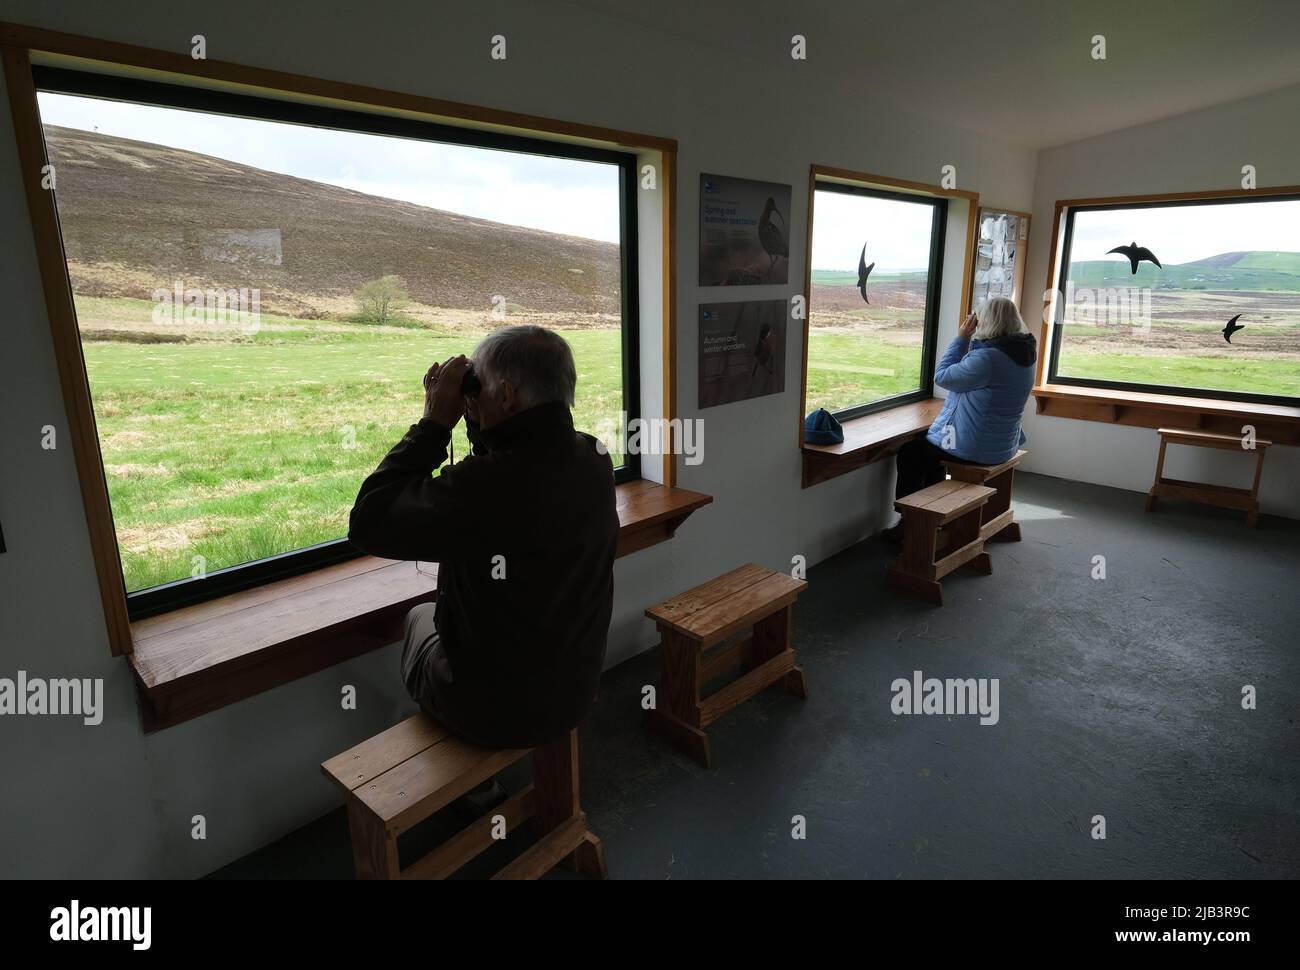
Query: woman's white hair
{"points": [[998, 317]]}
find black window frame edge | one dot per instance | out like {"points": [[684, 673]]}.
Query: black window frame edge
{"points": [[934, 286], [180, 593], [1167, 390]]}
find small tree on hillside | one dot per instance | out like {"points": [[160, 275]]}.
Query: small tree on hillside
{"points": [[379, 300]]}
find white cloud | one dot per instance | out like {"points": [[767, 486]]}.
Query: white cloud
{"points": [[897, 233]]}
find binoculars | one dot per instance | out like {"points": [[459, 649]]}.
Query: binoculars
{"points": [[470, 384]]}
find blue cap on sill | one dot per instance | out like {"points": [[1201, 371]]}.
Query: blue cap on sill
{"points": [[821, 428]]}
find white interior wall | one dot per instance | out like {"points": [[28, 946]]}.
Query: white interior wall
{"points": [[108, 801], [1195, 152]]}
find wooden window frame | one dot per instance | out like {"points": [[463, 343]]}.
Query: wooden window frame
{"points": [[650, 518], [183, 592], [1142, 406], [873, 435]]}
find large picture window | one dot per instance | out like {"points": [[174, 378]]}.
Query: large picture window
{"points": [[1161, 323], [260, 286], [872, 346]]}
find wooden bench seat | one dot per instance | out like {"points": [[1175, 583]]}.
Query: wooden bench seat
{"points": [[997, 523], [1246, 499], [956, 505], [400, 777], [753, 601]]}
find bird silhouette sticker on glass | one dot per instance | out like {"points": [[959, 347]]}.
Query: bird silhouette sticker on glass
{"points": [[771, 237], [1135, 254], [1232, 327], [863, 272]]}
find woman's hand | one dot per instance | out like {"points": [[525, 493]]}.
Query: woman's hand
{"points": [[967, 328]]}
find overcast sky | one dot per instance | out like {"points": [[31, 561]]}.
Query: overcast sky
{"points": [[897, 233], [1185, 234], [557, 195]]}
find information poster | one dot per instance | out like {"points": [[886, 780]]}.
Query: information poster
{"points": [[744, 231], [742, 350]]}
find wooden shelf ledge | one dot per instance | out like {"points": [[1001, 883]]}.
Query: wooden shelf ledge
{"points": [[198, 659], [1278, 423], [868, 439], [649, 513]]}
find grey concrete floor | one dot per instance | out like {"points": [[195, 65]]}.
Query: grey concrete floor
{"points": [[1118, 697]]}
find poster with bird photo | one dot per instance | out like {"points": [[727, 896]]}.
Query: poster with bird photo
{"points": [[742, 351], [744, 231]]}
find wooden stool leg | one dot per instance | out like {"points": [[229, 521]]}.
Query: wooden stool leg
{"points": [[676, 714], [555, 783], [910, 572], [589, 859], [374, 851], [771, 637], [1160, 471], [1003, 483], [1008, 533], [1252, 516], [557, 799], [1000, 501]]}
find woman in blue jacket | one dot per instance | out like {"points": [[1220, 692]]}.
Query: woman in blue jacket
{"points": [[988, 372]]}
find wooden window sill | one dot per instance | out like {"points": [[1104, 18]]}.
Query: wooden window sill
{"points": [[1278, 423], [198, 659], [868, 439]]}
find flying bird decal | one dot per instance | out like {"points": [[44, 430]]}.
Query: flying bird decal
{"points": [[1136, 254], [1232, 327], [863, 272]]}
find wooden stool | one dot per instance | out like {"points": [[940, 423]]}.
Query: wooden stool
{"points": [[698, 620], [399, 778], [958, 506], [1220, 495], [998, 522]]}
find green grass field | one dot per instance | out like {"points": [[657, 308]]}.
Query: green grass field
{"points": [[849, 369], [233, 447], [848, 366], [838, 277], [1254, 375], [846, 369], [241, 447]]}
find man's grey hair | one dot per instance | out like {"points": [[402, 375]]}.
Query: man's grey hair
{"points": [[998, 317], [537, 362]]}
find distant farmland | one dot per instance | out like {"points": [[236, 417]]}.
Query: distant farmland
{"points": [[859, 352], [1190, 303]]}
